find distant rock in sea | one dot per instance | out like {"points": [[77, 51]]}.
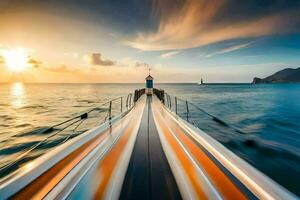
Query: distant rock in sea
{"points": [[287, 75]]}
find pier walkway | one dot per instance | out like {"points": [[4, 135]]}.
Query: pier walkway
{"points": [[145, 153]]}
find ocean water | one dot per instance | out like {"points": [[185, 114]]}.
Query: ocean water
{"points": [[268, 117]]}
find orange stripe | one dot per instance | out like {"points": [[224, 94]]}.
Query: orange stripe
{"points": [[41, 186], [108, 164], [182, 157], [223, 183]]}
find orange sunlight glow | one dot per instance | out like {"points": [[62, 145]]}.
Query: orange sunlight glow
{"points": [[16, 60]]}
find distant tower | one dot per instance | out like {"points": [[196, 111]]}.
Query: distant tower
{"points": [[149, 84], [202, 81]]}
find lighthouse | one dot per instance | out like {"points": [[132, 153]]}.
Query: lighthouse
{"points": [[149, 84]]}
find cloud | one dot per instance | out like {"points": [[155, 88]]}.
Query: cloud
{"points": [[229, 49], [34, 62], [97, 59], [133, 63], [171, 54], [61, 69], [141, 64], [194, 23], [72, 54]]}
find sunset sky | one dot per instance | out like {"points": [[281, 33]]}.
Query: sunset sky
{"points": [[118, 40]]}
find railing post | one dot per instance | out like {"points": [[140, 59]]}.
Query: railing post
{"points": [[187, 110], [130, 100], [176, 105], [136, 95], [121, 104], [127, 101], [167, 101], [109, 110]]}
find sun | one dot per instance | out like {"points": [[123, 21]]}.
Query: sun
{"points": [[16, 60]]}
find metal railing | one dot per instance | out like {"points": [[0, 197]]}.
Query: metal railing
{"points": [[192, 112], [63, 131]]}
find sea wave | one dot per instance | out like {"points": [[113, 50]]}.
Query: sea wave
{"points": [[35, 106], [273, 148], [15, 148], [36, 131]]}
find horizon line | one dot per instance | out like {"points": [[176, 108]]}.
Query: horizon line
{"points": [[123, 82]]}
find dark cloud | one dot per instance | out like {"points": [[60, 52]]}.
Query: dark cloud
{"points": [[228, 11], [173, 24], [125, 16], [96, 59], [235, 10], [156, 20], [194, 23]]}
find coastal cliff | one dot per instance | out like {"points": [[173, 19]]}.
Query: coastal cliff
{"points": [[287, 75]]}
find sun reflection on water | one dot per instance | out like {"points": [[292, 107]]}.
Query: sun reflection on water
{"points": [[17, 94]]}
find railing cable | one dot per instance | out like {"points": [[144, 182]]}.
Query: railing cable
{"points": [[188, 117]]}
